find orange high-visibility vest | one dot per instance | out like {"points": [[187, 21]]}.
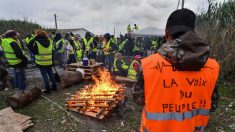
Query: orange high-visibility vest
{"points": [[176, 101]]}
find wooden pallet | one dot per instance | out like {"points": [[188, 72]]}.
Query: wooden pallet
{"points": [[103, 106], [89, 70]]}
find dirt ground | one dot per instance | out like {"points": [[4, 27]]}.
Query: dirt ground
{"points": [[49, 114]]}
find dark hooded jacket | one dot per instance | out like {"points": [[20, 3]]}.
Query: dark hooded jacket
{"points": [[44, 41], [186, 53]]}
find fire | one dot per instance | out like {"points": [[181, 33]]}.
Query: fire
{"points": [[103, 85], [102, 96]]}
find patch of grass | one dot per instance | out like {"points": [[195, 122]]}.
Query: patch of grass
{"points": [[227, 91]]}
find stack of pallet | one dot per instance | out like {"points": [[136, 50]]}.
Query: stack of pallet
{"points": [[13, 122], [95, 105], [89, 70]]}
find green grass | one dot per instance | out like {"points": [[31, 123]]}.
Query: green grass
{"points": [[227, 91]]}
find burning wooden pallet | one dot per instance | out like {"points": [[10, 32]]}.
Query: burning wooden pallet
{"points": [[90, 70], [97, 100]]}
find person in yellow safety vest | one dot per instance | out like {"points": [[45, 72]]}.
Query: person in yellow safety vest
{"points": [[15, 57], [42, 47], [137, 47], [70, 50], [122, 45], [136, 28], [90, 46], [29, 38], [154, 45], [119, 66], [78, 49], [109, 49], [59, 50], [129, 28], [134, 68]]}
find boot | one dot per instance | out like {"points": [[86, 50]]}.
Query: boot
{"points": [[47, 91], [54, 87]]}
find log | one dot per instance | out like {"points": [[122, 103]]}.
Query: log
{"points": [[70, 78], [23, 98]]}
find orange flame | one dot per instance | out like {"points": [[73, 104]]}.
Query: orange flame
{"points": [[104, 87]]}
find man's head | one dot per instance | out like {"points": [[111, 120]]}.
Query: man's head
{"points": [[137, 57], [88, 35], [41, 33], [11, 34], [179, 22], [67, 36], [118, 55], [107, 37]]}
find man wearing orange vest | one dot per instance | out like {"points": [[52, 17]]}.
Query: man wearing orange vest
{"points": [[177, 84]]}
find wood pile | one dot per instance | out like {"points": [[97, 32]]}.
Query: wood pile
{"points": [[90, 70], [95, 105], [13, 122], [99, 99]]}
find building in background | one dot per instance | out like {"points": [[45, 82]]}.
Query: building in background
{"points": [[80, 31]]}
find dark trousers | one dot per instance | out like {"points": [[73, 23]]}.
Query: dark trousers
{"points": [[45, 73], [19, 78], [72, 59], [93, 55]]}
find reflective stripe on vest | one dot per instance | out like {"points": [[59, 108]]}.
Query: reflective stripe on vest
{"points": [[176, 116], [10, 55], [106, 48], [122, 45], [78, 50], [131, 71], [136, 48], [57, 44], [87, 43], [79, 55], [124, 66], [44, 56], [176, 100]]}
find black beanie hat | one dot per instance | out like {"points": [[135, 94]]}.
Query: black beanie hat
{"points": [[181, 20], [10, 33], [107, 36]]}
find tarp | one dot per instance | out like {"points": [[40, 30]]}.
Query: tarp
{"points": [[149, 31]]}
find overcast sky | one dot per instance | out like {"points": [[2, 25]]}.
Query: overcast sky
{"points": [[98, 16]]}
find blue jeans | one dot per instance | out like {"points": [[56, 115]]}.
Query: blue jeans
{"points": [[59, 57], [109, 59], [106, 60], [45, 73], [19, 78]]}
